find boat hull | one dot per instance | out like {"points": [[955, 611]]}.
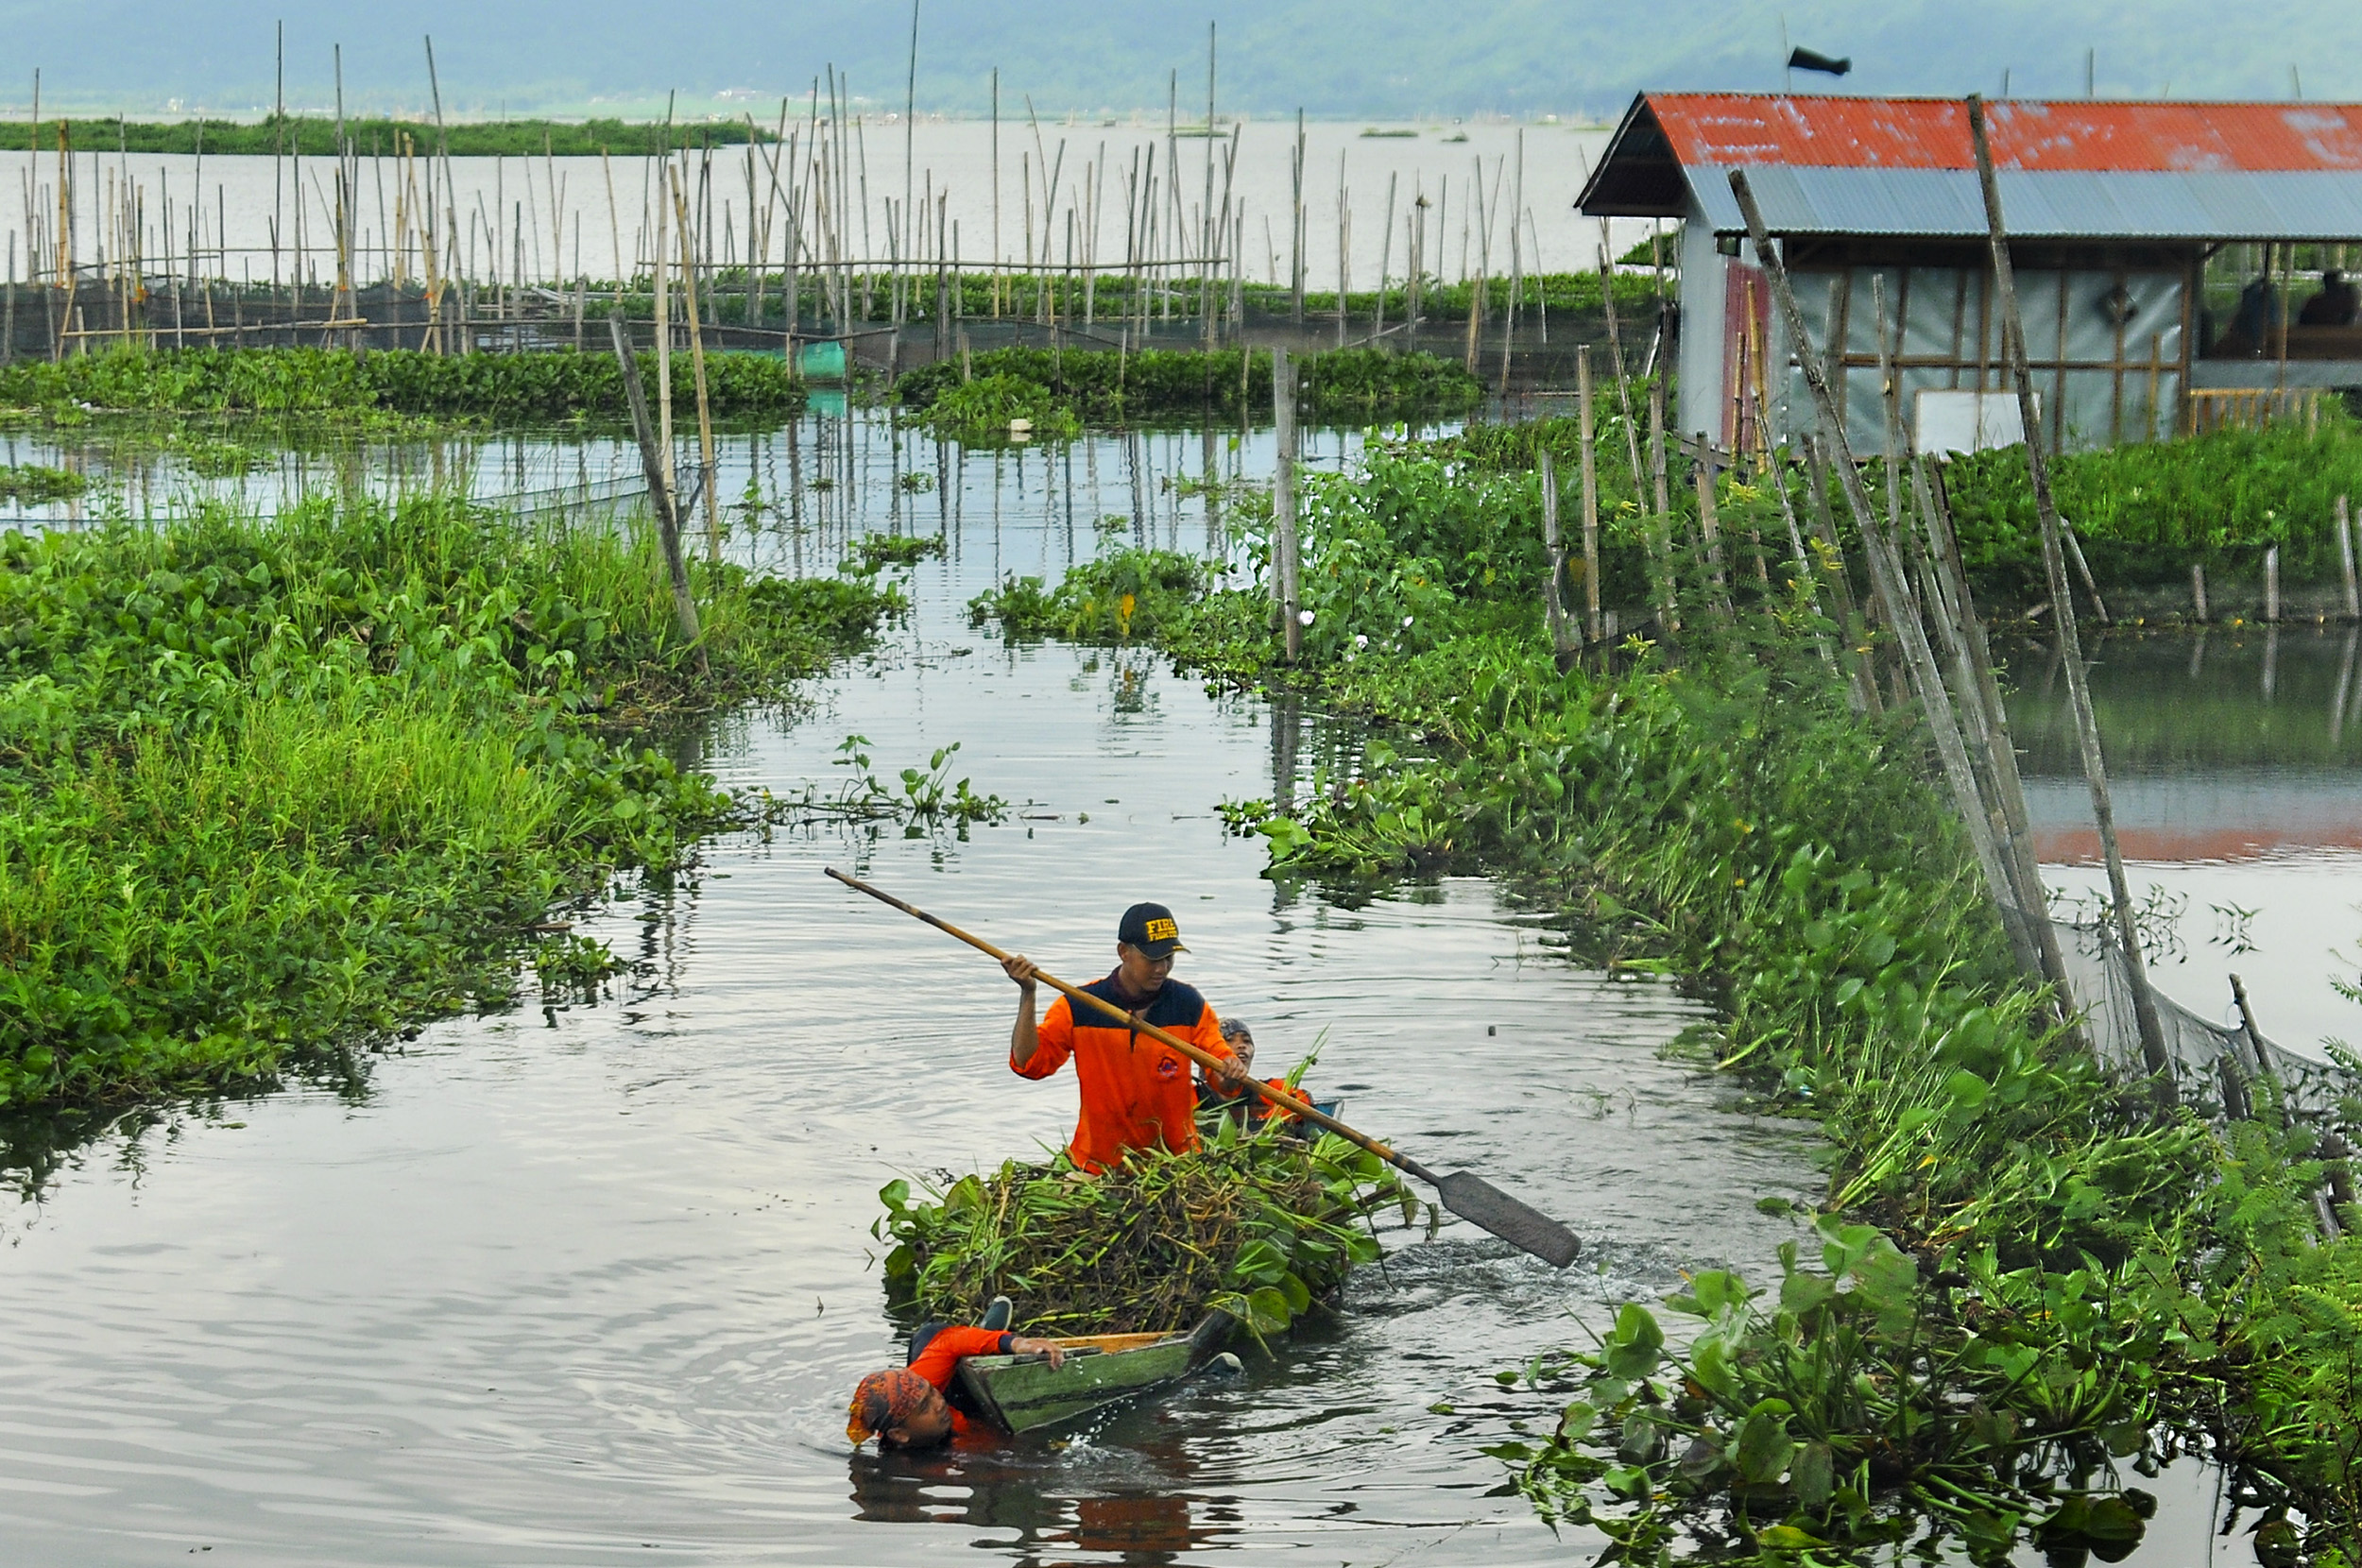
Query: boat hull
{"points": [[1024, 1394]]}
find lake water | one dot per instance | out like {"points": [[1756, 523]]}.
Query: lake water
{"points": [[562, 214], [590, 1284]]}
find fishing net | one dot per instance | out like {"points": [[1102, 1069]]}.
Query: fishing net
{"points": [[2199, 1052]]}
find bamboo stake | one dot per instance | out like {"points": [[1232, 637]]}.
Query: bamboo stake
{"points": [[697, 361], [1554, 605], [2070, 643], [1591, 629], [1283, 391], [1893, 589], [2345, 539], [1660, 548], [652, 462], [2271, 584]]}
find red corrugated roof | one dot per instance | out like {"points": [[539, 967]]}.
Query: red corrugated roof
{"points": [[1727, 130]]}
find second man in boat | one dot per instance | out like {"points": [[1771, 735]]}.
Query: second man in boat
{"points": [[1137, 1091]]}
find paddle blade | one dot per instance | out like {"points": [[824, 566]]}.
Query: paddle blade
{"points": [[1528, 1229]]}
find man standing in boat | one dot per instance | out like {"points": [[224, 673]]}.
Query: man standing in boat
{"points": [[1137, 1091]]}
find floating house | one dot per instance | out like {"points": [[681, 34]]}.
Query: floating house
{"points": [[2176, 262]]}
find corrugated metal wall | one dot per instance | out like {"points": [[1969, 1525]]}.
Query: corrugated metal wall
{"points": [[2106, 347]]}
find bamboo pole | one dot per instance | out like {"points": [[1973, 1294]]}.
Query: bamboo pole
{"points": [[2271, 584], [2070, 641], [1893, 589], [2345, 532], [1591, 629], [1286, 566], [1553, 605], [697, 362], [652, 462]]}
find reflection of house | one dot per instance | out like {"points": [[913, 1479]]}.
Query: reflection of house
{"points": [[2115, 211]]}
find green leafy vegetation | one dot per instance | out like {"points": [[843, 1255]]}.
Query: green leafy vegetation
{"points": [[1106, 386], [1258, 1224], [31, 482], [301, 134], [270, 792], [338, 382], [2022, 1278], [1000, 410]]}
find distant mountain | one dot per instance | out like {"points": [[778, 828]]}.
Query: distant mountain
{"points": [[1367, 59]]}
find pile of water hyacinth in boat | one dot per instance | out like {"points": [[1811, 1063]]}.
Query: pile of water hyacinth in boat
{"points": [[1256, 1223]]}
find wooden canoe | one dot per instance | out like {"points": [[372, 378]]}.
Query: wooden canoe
{"points": [[1021, 1394]]}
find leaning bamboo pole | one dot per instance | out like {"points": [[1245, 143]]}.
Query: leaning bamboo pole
{"points": [[1892, 588], [2062, 609]]}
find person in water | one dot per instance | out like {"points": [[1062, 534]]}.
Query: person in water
{"points": [[1137, 1091], [913, 1406], [1240, 1039]]}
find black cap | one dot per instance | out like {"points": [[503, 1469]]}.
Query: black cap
{"points": [[1151, 929]]}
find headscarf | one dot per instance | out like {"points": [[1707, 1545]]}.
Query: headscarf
{"points": [[884, 1401]]}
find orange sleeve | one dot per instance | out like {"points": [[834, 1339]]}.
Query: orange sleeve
{"points": [[940, 1361], [1053, 1042]]}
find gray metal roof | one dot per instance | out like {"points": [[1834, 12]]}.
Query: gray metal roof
{"points": [[2208, 205]]}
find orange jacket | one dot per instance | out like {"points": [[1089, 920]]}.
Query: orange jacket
{"points": [[1137, 1092], [939, 1357]]}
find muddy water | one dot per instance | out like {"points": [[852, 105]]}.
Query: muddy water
{"points": [[589, 1283]]}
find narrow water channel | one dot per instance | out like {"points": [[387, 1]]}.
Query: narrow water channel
{"points": [[592, 1283]]}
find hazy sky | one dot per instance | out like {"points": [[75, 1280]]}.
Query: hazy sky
{"points": [[1366, 58]]}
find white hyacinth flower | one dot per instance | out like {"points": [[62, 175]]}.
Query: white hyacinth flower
{"points": [[1303, 618]]}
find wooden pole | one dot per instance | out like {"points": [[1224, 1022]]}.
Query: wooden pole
{"points": [[2062, 609], [1893, 591], [2345, 546], [2271, 582], [1590, 498], [2198, 589], [697, 362], [1286, 567], [1553, 605], [660, 492]]}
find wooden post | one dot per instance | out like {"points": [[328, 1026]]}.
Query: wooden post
{"points": [[1590, 499], [1283, 502], [1710, 520], [2062, 609], [2345, 559], [2083, 569], [1553, 607], [2198, 589], [2271, 582], [697, 361], [660, 492], [1660, 548]]}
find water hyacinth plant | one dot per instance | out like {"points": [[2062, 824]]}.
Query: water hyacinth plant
{"points": [[1255, 1223], [2023, 1287]]}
